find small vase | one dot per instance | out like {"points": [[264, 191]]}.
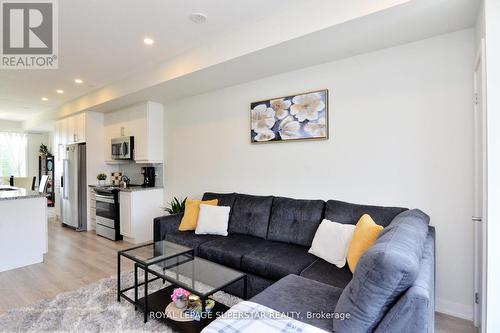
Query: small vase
{"points": [[180, 304], [101, 182]]}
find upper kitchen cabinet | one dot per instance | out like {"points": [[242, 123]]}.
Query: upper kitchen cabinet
{"points": [[145, 123], [71, 129], [79, 128]]}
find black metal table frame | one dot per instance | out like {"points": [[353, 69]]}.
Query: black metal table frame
{"points": [[145, 268], [137, 263]]}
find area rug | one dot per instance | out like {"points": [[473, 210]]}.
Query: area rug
{"points": [[92, 308]]}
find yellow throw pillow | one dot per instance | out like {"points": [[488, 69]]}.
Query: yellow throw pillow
{"points": [[190, 219], [364, 237]]}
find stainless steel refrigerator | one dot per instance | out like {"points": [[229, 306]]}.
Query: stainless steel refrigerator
{"points": [[74, 187]]}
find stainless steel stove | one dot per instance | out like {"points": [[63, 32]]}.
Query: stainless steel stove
{"points": [[108, 212]]}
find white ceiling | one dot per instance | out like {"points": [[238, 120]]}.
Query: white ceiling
{"points": [[243, 40], [102, 42]]}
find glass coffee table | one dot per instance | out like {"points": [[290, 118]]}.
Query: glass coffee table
{"points": [[177, 265]]}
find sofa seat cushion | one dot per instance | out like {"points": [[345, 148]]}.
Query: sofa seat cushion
{"points": [[344, 212], [327, 273], [250, 215], [384, 273], [294, 294], [229, 250], [295, 221], [274, 260], [190, 239]]}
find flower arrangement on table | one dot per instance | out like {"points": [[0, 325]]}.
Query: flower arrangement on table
{"points": [[180, 297]]}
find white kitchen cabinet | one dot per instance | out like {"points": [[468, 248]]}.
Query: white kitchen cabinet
{"points": [[126, 214], [72, 129], [92, 211], [137, 211], [65, 131], [72, 125], [79, 127], [145, 123], [149, 147]]}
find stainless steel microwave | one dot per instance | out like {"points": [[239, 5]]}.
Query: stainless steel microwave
{"points": [[122, 148]]}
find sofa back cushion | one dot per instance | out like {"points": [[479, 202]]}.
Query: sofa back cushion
{"points": [[295, 221], [345, 212], [250, 215], [383, 273], [224, 199]]}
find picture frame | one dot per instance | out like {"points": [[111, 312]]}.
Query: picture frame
{"points": [[296, 117]]}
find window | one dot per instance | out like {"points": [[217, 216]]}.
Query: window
{"points": [[13, 156]]}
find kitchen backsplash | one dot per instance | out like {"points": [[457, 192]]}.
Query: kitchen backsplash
{"points": [[134, 172]]}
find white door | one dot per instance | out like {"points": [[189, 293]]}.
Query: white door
{"points": [[480, 178]]}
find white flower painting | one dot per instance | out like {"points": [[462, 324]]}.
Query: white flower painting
{"points": [[295, 117]]}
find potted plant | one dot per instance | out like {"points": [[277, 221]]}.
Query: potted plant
{"points": [[180, 297], [44, 151], [101, 178], [176, 206]]}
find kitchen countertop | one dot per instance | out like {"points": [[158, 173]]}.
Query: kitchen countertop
{"points": [[133, 188], [18, 193]]}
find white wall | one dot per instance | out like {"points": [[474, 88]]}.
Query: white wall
{"points": [[34, 142], [11, 126], [492, 28], [400, 134]]}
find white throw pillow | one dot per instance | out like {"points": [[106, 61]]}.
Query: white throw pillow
{"points": [[331, 242], [213, 220]]}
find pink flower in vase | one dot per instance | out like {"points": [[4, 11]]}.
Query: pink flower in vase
{"points": [[180, 294]]}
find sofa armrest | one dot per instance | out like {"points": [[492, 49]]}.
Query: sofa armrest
{"points": [[164, 225]]}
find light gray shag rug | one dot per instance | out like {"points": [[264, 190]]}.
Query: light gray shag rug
{"points": [[92, 308]]}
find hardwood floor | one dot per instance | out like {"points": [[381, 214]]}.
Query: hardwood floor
{"points": [[449, 324], [76, 259]]}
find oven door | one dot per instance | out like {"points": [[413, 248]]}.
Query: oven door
{"points": [[105, 208]]}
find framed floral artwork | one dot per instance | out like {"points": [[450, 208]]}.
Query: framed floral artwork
{"points": [[296, 117]]}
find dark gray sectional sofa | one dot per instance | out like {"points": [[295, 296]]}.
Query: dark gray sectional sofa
{"points": [[269, 238]]}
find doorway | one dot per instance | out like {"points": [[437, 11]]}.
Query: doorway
{"points": [[480, 182]]}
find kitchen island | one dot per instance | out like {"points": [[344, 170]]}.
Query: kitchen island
{"points": [[23, 227]]}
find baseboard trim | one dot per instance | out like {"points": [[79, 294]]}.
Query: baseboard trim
{"points": [[454, 309]]}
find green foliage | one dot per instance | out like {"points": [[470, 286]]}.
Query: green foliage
{"points": [[44, 151], [176, 206], [102, 176]]}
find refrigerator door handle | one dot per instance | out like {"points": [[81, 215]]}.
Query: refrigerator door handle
{"points": [[65, 172]]}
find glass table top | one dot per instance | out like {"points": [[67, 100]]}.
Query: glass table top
{"points": [[197, 275], [150, 253]]}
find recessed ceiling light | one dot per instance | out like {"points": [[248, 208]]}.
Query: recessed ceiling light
{"points": [[45, 99], [198, 18], [79, 81], [148, 41], [60, 91]]}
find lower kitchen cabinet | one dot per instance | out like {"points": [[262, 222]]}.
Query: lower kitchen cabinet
{"points": [[138, 208], [92, 211]]}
